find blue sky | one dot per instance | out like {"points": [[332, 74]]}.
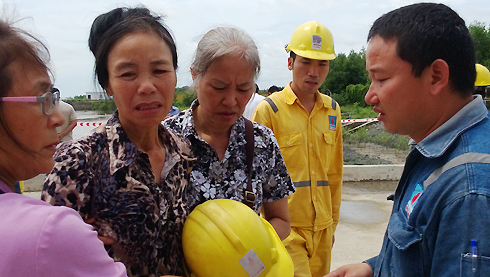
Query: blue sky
{"points": [[64, 26]]}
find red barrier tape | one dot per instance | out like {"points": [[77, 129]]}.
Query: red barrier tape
{"points": [[89, 124], [95, 124], [359, 120]]}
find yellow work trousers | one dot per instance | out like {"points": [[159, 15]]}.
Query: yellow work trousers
{"points": [[310, 250]]}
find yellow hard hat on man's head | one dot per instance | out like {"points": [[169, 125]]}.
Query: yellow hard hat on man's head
{"points": [[312, 40], [482, 76], [224, 237]]}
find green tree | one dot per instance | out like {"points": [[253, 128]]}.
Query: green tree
{"points": [[346, 70], [189, 94], [481, 37], [77, 98], [355, 94], [104, 106]]}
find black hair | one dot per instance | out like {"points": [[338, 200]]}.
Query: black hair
{"points": [[273, 89], [54, 89], [109, 27], [427, 31]]}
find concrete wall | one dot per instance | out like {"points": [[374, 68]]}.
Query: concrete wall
{"points": [[34, 184]]}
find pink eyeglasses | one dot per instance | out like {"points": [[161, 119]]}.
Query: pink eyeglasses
{"points": [[47, 100]]}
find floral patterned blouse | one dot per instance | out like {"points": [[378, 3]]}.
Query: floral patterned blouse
{"points": [[211, 178], [104, 176]]}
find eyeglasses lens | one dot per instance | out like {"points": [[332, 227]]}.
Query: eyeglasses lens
{"points": [[48, 103]]}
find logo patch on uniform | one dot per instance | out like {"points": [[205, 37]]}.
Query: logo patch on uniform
{"points": [[316, 42], [332, 122], [417, 192]]}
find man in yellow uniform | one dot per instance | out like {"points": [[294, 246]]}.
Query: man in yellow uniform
{"points": [[307, 126]]}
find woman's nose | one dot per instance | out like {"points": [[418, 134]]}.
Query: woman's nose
{"points": [[146, 86], [56, 118], [230, 98]]}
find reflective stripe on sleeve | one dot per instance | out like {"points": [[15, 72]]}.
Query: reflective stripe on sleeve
{"points": [[322, 183], [271, 103], [308, 184], [465, 158], [302, 184]]}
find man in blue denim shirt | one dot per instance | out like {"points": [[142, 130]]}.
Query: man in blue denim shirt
{"points": [[421, 61]]}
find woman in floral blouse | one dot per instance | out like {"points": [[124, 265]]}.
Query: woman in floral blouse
{"points": [[128, 177], [224, 71]]}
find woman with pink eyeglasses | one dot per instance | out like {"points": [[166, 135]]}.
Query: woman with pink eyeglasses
{"points": [[37, 239]]}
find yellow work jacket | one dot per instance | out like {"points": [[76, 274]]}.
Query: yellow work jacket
{"points": [[311, 145]]}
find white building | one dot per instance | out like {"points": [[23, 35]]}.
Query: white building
{"points": [[95, 95]]}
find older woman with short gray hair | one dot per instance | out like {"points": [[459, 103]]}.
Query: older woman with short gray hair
{"points": [[224, 70]]}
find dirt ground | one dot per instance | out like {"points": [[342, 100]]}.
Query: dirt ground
{"points": [[364, 215], [364, 212], [372, 154]]}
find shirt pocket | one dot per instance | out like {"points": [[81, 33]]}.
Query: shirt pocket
{"points": [[478, 267], [291, 149], [325, 148], [407, 253]]}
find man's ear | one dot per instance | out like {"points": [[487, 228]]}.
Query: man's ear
{"points": [[290, 63], [439, 74]]}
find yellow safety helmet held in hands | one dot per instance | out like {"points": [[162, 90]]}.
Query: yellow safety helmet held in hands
{"points": [[224, 237], [482, 76], [312, 40]]}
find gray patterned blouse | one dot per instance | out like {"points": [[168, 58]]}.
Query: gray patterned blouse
{"points": [[211, 178]]}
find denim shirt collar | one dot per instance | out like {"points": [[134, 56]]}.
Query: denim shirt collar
{"points": [[437, 142]]}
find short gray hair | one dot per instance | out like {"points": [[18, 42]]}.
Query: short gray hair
{"points": [[222, 41]]}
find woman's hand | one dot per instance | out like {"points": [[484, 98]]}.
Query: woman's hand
{"points": [[105, 240], [277, 214]]}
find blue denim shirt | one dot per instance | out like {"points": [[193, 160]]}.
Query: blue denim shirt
{"points": [[430, 229]]}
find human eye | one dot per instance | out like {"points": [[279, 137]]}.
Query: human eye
{"points": [[161, 70], [218, 88], [127, 74], [244, 89], [217, 85], [378, 78]]}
